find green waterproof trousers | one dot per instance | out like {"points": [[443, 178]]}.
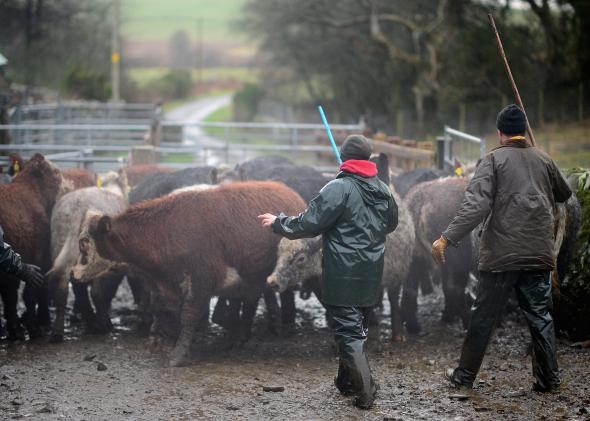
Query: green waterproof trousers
{"points": [[533, 291], [350, 327]]}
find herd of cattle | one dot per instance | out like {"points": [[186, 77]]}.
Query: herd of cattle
{"points": [[184, 237]]}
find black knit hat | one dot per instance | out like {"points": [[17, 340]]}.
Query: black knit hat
{"points": [[356, 147], [511, 120]]}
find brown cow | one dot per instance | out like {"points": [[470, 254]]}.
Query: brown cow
{"points": [[25, 210], [80, 178], [189, 241], [137, 173]]}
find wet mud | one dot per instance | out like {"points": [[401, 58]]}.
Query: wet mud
{"points": [[118, 377]]}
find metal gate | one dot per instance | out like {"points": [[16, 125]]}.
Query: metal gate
{"points": [[456, 148]]}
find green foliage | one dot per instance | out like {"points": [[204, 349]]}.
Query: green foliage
{"points": [[221, 115], [581, 262], [44, 39], [175, 84], [85, 83], [143, 75], [424, 59], [246, 102], [573, 311]]}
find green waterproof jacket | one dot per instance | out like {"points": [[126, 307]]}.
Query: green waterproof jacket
{"points": [[354, 214], [10, 262]]}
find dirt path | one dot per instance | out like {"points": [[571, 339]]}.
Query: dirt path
{"points": [[47, 381], [196, 112]]}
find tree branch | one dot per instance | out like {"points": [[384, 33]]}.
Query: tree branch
{"points": [[394, 51]]}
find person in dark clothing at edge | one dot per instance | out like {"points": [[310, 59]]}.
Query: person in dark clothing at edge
{"points": [[353, 213], [514, 190], [11, 263]]}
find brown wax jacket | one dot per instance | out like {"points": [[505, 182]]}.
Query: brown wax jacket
{"points": [[514, 189]]}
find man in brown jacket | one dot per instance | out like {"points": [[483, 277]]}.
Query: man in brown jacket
{"points": [[514, 192]]}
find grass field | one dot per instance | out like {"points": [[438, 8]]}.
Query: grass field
{"points": [[568, 144], [143, 75], [157, 20]]}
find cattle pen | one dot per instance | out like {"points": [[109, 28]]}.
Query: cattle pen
{"points": [[283, 372], [104, 136]]}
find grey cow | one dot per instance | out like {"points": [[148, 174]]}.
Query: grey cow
{"points": [[68, 222]]}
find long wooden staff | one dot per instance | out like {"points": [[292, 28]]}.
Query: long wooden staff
{"points": [[514, 88]]}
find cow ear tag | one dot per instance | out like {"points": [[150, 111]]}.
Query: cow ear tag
{"points": [[16, 167], [99, 182]]}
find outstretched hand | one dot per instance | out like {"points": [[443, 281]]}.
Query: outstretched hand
{"points": [[267, 219], [32, 275]]}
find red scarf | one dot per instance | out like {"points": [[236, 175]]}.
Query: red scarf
{"points": [[359, 167]]}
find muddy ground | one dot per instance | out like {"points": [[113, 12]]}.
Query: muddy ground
{"points": [[116, 376]]}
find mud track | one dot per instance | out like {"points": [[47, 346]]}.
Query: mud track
{"points": [[116, 377]]}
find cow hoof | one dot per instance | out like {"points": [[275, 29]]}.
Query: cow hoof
{"points": [[35, 332], [178, 361], [274, 330], [234, 343], [56, 338], [448, 316], [245, 337], [15, 335], [154, 344], [99, 329]]}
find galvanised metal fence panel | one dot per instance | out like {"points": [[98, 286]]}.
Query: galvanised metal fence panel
{"points": [[102, 158], [102, 136], [83, 111], [459, 148], [88, 134]]}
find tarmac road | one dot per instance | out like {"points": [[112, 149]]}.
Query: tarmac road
{"points": [[196, 112]]}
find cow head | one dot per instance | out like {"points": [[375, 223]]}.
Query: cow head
{"points": [[90, 265], [46, 176], [298, 261], [100, 231]]}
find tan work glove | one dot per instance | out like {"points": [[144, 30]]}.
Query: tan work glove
{"points": [[438, 249]]}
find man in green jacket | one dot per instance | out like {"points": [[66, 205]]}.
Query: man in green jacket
{"points": [[353, 213], [513, 191]]}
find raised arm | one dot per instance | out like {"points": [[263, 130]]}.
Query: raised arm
{"points": [[321, 214]]}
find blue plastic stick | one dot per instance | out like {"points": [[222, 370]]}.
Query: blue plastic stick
{"points": [[327, 126]]}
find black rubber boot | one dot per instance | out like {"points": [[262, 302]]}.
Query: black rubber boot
{"points": [[366, 401], [455, 381], [343, 382]]}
